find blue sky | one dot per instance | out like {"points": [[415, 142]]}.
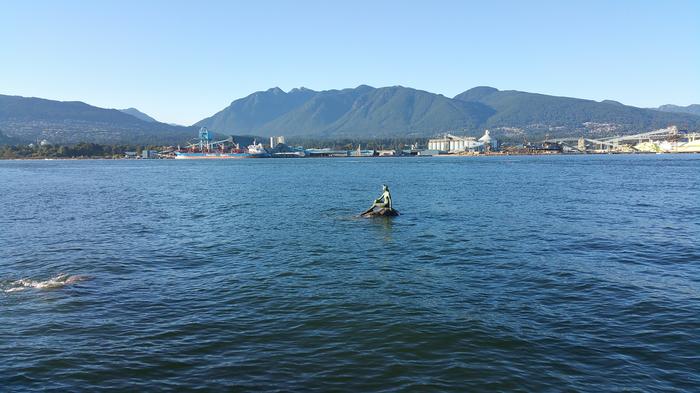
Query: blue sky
{"points": [[181, 61]]}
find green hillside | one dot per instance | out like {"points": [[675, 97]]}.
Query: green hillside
{"points": [[360, 112], [6, 140], [30, 119], [521, 113], [691, 109], [138, 114], [363, 112], [367, 112]]}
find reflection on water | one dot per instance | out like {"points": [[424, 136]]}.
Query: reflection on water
{"points": [[383, 227]]}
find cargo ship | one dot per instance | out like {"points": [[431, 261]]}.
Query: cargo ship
{"points": [[207, 148]]}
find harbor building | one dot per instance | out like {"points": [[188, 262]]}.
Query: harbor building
{"points": [[449, 143], [489, 144], [664, 140], [149, 154], [326, 152], [276, 140], [361, 153]]}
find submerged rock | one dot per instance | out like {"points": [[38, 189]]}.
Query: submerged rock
{"points": [[383, 212]]}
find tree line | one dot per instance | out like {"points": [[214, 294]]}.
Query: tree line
{"points": [[80, 150]]}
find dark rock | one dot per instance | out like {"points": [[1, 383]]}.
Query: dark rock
{"points": [[383, 212]]}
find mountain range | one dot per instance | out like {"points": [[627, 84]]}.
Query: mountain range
{"points": [[692, 109], [400, 111], [361, 112], [139, 115], [26, 119]]}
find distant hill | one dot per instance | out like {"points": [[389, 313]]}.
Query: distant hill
{"points": [[613, 102], [692, 109], [363, 112], [254, 111], [520, 113], [138, 114], [366, 112], [29, 119], [360, 112]]}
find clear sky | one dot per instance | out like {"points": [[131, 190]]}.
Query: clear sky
{"points": [[181, 61]]}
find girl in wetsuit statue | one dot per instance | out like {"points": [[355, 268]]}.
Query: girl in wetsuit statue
{"points": [[383, 202]]}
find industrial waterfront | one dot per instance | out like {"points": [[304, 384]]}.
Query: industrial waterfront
{"points": [[668, 140], [209, 145]]}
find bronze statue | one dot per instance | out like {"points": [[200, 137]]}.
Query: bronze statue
{"points": [[381, 206]]}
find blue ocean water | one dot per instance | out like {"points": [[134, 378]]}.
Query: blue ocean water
{"points": [[576, 273]]}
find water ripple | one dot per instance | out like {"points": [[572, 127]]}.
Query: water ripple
{"points": [[502, 273]]}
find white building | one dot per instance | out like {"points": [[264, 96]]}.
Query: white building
{"points": [[149, 154], [490, 144], [276, 140], [455, 144]]}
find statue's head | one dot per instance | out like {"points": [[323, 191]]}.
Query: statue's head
{"points": [[385, 187]]}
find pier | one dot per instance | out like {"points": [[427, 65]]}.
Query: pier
{"points": [[666, 140]]}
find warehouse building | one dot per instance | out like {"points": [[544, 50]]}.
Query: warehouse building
{"points": [[449, 143]]}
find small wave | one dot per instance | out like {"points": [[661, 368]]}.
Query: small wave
{"points": [[59, 281]]}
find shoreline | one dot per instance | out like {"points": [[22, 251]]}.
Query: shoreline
{"points": [[350, 157]]}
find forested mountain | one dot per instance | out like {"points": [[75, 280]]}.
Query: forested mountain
{"points": [[693, 109], [6, 140], [360, 112], [529, 114], [31, 119], [369, 112], [138, 114], [363, 112]]}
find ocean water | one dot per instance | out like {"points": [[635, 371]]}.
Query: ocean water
{"points": [[551, 273]]}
